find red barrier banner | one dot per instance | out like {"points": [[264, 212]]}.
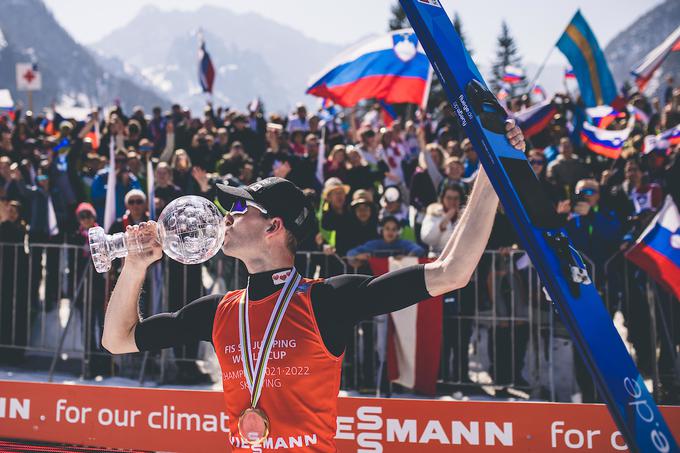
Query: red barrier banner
{"points": [[194, 421]]}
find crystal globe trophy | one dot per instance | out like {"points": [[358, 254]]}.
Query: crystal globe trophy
{"points": [[190, 229]]}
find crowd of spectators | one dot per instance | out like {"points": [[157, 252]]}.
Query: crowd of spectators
{"points": [[395, 189]]}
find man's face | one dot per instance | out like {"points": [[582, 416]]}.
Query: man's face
{"points": [[4, 167], [281, 169], [590, 193], [246, 174], [565, 147], [393, 206], [302, 112], [369, 140], [390, 232], [454, 170], [354, 158], [6, 139], [362, 213], [136, 206], [312, 146], [245, 233], [633, 173], [134, 164], [162, 176], [121, 164], [86, 220], [12, 214]]}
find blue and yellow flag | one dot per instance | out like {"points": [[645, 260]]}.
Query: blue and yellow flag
{"points": [[579, 45]]}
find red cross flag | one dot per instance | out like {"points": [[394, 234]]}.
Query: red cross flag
{"points": [[28, 77]]}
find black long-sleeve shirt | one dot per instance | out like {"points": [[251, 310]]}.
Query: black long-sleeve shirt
{"points": [[338, 302]]}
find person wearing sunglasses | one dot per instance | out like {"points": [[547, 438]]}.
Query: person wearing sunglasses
{"points": [[136, 207], [594, 227], [304, 323], [539, 164]]}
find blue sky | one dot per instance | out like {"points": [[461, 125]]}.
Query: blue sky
{"points": [[536, 24]]}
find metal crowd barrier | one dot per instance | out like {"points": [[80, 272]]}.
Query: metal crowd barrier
{"points": [[499, 334], [650, 318]]}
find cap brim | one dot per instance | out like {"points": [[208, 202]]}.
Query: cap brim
{"points": [[228, 194]]}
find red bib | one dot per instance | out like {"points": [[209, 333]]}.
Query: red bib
{"points": [[302, 380]]}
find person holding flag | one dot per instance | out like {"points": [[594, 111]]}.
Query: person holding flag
{"points": [[282, 321]]}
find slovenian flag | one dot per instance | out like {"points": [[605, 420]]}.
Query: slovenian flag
{"points": [[579, 45], [603, 115], [414, 335], [644, 70], [391, 67], [206, 70], [389, 115], [662, 141], [569, 74], [502, 94], [6, 103], [639, 114], [605, 142], [657, 251], [513, 75], [536, 118], [539, 91]]}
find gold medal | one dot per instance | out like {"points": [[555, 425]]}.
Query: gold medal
{"points": [[253, 423], [253, 426]]}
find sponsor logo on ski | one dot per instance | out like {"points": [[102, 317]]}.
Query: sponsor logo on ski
{"points": [[431, 3]]}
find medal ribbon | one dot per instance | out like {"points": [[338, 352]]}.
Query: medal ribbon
{"points": [[254, 373]]}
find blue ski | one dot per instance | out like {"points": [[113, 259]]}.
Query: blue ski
{"points": [[560, 267]]}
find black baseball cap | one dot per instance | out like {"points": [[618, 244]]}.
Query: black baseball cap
{"points": [[280, 197]]}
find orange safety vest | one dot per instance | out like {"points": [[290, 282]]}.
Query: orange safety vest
{"points": [[302, 379]]}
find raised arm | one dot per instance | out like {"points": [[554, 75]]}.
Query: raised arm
{"points": [[457, 262], [122, 313]]}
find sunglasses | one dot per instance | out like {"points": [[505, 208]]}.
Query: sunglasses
{"points": [[240, 206], [588, 192], [136, 201], [537, 162]]}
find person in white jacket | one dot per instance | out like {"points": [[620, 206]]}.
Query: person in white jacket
{"points": [[440, 218]]}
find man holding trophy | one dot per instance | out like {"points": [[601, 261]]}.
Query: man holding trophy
{"points": [[281, 340]]}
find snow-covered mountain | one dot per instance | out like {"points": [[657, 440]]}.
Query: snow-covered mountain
{"points": [[70, 75], [644, 34], [253, 56]]}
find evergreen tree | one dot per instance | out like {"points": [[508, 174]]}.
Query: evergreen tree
{"points": [[507, 54], [458, 26]]}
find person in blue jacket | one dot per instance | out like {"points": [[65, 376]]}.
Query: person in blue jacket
{"points": [[125, 182], [389, 244]]}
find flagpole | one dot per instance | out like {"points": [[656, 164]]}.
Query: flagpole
{"points": [[540, 69], [428, 85], [545, 60]]}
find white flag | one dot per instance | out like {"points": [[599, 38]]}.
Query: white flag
{"points": [[28, 77], [110, 207]]}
